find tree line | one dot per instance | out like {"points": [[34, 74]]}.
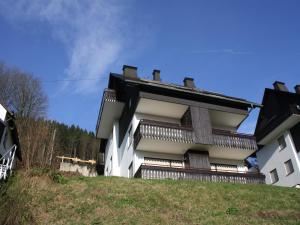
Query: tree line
{"points": [[41, 139]]}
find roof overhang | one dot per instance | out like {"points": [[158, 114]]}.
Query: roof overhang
{"points": [[284, 125], [110, 110], [160, 108], [194, 91]]}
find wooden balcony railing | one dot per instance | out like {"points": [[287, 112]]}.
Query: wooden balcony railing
{"points": [[158, 172], [109, 95], [173, 132], [234, 140], [162, 131]]}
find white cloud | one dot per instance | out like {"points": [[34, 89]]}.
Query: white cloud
{"points": [[94, 33], [223, 51]]}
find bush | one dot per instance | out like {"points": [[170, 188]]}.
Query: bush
{"points": [[58, 178]]}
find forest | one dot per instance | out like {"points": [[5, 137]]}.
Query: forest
{"points": [[41, 139]]}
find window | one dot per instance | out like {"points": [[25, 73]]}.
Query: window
{"points": [[130, 171], [281, 142], [129, 138], [274, 176], [289, 167], [110, 165]]}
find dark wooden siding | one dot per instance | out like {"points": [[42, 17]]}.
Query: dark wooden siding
{"points": [[202, 125], [103, 143], [295, 132], [128, 111], [197, 159], [186, 120]]}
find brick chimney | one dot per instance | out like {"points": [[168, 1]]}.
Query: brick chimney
{"points": [[189, 82], [280, 86], [156, 75], [130, 72]]}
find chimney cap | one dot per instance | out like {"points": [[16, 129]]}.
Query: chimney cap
{"points": [[188, 78], [156, 75], [129, 67], [280, 86], [189, 82], [278, 82], [130, 72]]}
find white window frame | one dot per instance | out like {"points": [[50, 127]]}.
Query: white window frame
{"points": [[273, 181], [289, 167]]}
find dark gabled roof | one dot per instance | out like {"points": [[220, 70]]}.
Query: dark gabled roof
{"points": [[179, 91], [277, 107]]}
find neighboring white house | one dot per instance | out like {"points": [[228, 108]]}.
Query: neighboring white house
{"points": [[278, 135], [9, 142], [151, 129]]}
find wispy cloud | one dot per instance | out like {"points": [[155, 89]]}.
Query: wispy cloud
{"points": [[223, 51], [94, 33]]}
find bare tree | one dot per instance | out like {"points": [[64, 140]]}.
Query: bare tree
{"points": [[37, 140], [22, 93]]}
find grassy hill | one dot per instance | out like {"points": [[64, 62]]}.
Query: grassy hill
{"points": [[43, 197]]}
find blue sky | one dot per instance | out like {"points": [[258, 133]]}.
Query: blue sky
{"points": [[233, 47]]}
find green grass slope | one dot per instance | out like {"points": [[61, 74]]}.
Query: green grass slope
{"points": [[39, 197]]}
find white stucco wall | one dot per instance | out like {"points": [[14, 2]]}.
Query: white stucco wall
{"points": [[84, 170], [271, 157], [111, 167]]}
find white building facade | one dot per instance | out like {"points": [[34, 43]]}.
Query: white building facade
{"points": [[154, 130], [278, 133]]}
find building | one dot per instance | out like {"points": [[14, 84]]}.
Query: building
{"points": [[151, 129], [9, 143], [278, 135]]}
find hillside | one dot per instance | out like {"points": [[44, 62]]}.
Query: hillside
{"points": [[43, 197]]}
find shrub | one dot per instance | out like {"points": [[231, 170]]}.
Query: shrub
{"points": [[58, 178]]}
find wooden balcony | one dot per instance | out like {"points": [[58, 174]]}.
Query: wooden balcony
{"points": [[109, 95], [234, 140], [162, 131], [176, 133], [164, 172]]}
